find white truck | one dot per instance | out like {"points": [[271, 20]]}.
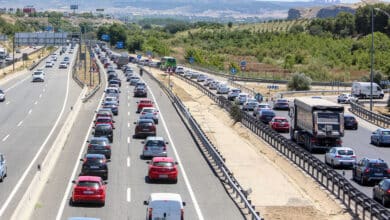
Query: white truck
{"points": [[362, 90], [3, 53]]}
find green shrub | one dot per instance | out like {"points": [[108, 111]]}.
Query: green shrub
{"points": [[299, 82], [235, 113]]}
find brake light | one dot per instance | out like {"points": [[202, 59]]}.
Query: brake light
{"points": [[388, 171], [339, 141], [367, 170], [313, 140], [181, 214], [388, 191], [89, 146], [108, 147], [145, 147], [153, 127], [100, 191], [150, 213], [338, 156], [353, 156]]}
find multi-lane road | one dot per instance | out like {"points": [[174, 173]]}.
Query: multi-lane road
{"points": [[30, 119], [127, 187]]}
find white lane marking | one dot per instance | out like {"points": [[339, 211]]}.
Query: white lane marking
{"points": [[20, 123], [33, 161], [44, 89], [128, 104], [36, 102], [128, 124], [183, 172], [7, 102], [128, 195], [29, 111], [16, 84], [128, 113], [5, 138], [69, 186], [128, 161], [128, 140], [40, 95], [128, 97]]}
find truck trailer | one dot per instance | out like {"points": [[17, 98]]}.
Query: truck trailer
{"points": [[123, 59], [316, 123]]}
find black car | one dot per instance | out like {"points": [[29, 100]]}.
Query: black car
{"points": [[381, 192], [350, 122], [104, 130], [113, 105], [99, 145], [281, 104], [369, 170], [94, 165], [116, 81], [140, 92], [265, 115]]}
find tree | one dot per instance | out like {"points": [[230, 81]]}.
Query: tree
{"points": [[344, 24], [299, 82], [230, 24], [296, 28]]}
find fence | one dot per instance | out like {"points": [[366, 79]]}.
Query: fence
{"points": [[227, 175], [377, 119], [357, 202]]}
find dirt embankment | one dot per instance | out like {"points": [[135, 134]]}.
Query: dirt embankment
{"points": [[279, 189]]}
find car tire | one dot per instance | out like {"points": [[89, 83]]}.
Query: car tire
{"points": [[103, 203], [1, 178], [384, 202], [332, 164], [362, 182], [174, 181]]}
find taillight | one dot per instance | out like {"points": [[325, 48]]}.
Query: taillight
{"points": [[367, 170], [388, 191], [339, 142], [388, 171], [150, 213], [181, 214], [108, 147], [338, 156], [313, 140], [353, 156], [153, 127], [89, 146], [145, 147]]}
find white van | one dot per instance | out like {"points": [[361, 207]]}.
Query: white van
{"points": [[362, 90], [167, 206]]}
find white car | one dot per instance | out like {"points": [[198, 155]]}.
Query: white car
{"points": [[38, 76], [340, 156], [241, 98], [179, 70], [346, 98], [164, 206], [63, 65], [151, 110], [250, 105], [49, 64], [213, 85], [259, 107], [222, 89], [233, 94], [201, 78], [8, 58]]}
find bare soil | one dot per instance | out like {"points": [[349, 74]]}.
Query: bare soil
{"points": [[279, 189]]}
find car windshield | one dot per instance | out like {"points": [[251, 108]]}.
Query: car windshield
{"points": [[145, 123], [107, 120], [145, 102], [103, 127], [345, 152], [163, 164], [92, 184], [98, 142], [385, 132], [155, 143], [280, 120], [37, 73], [282, 101], [378, 165], [147, 110]]}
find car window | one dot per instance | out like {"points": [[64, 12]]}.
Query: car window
{"points": [[98, 142], [155, 143], [91, 184], [280, 120], [163, 164], [345, 152], [145, 123], [385, 132], [378, 165]]}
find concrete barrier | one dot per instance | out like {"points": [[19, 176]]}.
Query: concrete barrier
{"points": [[27, 204]]}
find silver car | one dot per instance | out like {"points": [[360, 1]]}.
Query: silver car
{"points": [[154, 147], [3, 168], [151, 110], [2, 96], [340, 156], [250, 105]]}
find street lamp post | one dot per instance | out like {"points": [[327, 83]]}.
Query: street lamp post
{"points": [[372, 55]]}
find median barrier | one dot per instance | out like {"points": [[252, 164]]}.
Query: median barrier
{"points": [[372, 117]]}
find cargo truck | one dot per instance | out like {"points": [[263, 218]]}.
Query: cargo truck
{"points": [[316, 123], [362, 90], [123, 59]]}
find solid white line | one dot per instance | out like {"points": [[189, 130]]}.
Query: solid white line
{"points": [[69, 186], [29, 111], [128, 140], [5, 138], [33, 161], [20, 123], [184, 174], [36, 102], [128, 161], [128, 194]]}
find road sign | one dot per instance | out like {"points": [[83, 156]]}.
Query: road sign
{"points": [[3, 37], [191, 60], [40, 38], [105, 37], [259, 97], [272, 87], [119, 45], [243, 63], [48, 28], [233, 71], [139, 56], [385, 82]]}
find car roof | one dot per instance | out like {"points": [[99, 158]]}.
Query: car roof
{"points": [[154, 138], [162, 159], [349, 116], [103, 125], [165, 196], [89, 178], [373, 160], [384, 129], [343, 148], [144, 100], [103, 117]]}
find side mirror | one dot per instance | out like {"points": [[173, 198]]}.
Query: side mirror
{"points": [[113, 121], [146, 203], [87, 141], [166, 142], [94, 121], [176, 163], [135, 122], [142, 142], [105, 182], [184, 203], [93, 133], [74, 181], [148, 162], [81, 159]]}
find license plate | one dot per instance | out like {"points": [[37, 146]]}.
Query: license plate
{"points": [[145, 129], [163, 176], [378, 174], [88, 192], [94, 167]]}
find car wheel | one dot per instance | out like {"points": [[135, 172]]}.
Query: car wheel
{"points": [[175, 181], [332, 163], [362, 182], [1, 178], [103, 203]]}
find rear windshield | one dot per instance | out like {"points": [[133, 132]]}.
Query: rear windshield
{"points": [[147, 110], [155, 143], [280, 120], [163, 164], [345, 152], [98, 142], [104, 120], [348, 118], [91, 184], [378, 165], [282, 101], [268, 113]]}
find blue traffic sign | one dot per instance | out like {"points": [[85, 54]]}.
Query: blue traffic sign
{"points": [[119, 45], [105, 37], [139, 56], [243, 63], [191, 60], [272, 87], [49, 28], [233, 71]]}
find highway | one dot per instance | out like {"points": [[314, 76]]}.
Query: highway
{"points": [[27, 50], [204, 194], [359, 140], [30, 119]]}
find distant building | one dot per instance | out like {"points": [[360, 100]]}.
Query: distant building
{"points": [[3, 10], [29, 9]]}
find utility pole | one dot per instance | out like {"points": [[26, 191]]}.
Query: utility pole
{"points": [[13, 54], [372, 55]]}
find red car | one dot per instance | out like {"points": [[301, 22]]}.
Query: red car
{"points": [[144, 103], [279, 124], [163, 168], [104, 120], [89, 189]]}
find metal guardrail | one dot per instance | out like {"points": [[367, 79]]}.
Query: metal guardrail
{"points": [[74, 71], [93, 92], [218, 159], [358, 203], [377, 119], [36, 63]]}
